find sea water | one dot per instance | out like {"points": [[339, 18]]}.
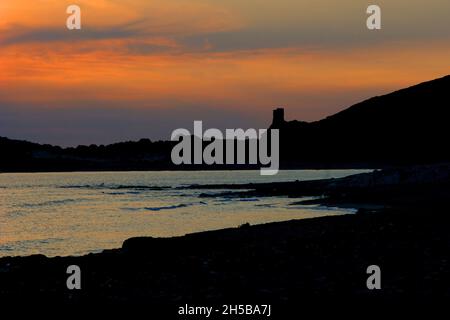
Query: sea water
{"points": [[60, 214]]}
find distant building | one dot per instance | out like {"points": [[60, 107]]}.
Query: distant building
{"points": [[278, 118]]}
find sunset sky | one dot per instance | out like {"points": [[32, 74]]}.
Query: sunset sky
{"points": [[142, 68]]}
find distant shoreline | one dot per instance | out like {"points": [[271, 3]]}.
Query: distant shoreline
{"points": [[362, 166]]}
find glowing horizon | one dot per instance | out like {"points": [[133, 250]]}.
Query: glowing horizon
{"points": [[141, 69]]}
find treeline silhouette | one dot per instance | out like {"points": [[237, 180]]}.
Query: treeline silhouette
{"points": [[409, 126], [140, 155]]}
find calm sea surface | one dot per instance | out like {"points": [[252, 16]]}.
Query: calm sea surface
{"points": [[77, 213]]}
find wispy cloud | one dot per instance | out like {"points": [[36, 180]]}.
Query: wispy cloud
{"points": [[170, 59]]}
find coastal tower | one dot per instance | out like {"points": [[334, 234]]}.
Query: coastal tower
{"points": [[278, 118]]}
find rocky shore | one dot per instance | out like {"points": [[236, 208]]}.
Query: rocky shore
{"points": [[321, 259], [427, 185]]}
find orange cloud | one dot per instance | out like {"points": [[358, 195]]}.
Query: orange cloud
{"points": [[253, 78], [156, 17], [135, 53]]}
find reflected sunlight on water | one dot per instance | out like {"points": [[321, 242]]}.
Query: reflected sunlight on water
{"points": [[77, 213]]}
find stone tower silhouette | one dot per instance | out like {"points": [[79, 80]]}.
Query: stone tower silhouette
{"points": [[278, 118]]}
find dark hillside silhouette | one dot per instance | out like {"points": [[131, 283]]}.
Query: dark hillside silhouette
{"points": [[406, 126], [410, 126]]}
